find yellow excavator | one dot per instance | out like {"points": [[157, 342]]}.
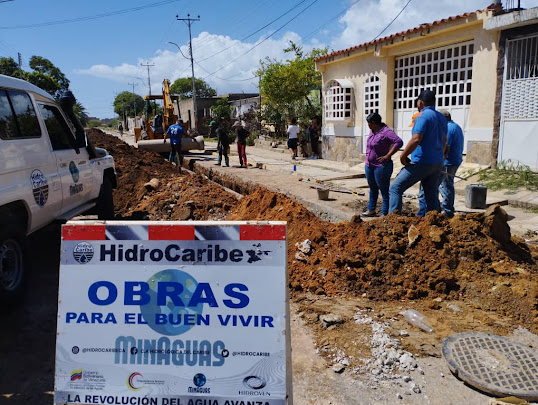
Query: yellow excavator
{"points": [[155, 128]]}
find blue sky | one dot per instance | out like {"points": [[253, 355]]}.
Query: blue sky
{"points": [[101, 52]]}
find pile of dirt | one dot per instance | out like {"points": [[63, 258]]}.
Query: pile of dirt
{"points": [[391, 258], [177, 197], [471, 257]]}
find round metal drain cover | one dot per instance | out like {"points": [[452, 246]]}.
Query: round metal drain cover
{"points": [[493, 364]]}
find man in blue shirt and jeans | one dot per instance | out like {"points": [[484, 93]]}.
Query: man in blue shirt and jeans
{"points": [[453, 159], [426, 148], [174, 132]]}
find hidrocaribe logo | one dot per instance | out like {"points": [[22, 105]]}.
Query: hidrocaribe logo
{"points": [[131, 383], [83, 252]]}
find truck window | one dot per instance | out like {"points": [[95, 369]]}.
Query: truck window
{"points": [[60, 135], [17, 116]]}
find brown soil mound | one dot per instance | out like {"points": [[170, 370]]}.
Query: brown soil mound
{"points": [[472, 257], [178, 197]]}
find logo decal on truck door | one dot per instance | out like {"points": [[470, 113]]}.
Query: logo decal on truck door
{"points": [[40, 187], [74, 171]]}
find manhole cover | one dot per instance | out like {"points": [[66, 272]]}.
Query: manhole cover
{"points": [[493, 364]]}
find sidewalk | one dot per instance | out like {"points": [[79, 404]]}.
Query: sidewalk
{"points": [[333, 174], [299, 179]]}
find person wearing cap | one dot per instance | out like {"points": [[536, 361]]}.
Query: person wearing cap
{"points": [[241, 135], [453, 158], [175, 132], [223, 145], [381, 144], [426, 149]]}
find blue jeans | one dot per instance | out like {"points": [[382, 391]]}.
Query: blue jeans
{"points": [[379, 180], [428, 175], [446, 188]]}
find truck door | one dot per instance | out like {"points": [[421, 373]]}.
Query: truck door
{"points": [[28, 168], [73, 168]]}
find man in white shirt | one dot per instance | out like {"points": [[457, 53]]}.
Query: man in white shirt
{"points": [[293, 140]]}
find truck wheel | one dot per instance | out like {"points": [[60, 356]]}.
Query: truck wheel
{"points": [[11, 265], [105, 201]]}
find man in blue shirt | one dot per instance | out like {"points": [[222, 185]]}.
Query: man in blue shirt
{"points": [[453, 158], [174, 132], [426, 148]]}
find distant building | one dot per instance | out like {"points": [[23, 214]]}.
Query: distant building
{"points": [[482, 65], [186, 108]]}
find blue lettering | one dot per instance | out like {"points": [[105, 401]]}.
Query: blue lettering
{"points": [[229, 290], [197, 298], [169, 289], [112, 293], [130, 293]]}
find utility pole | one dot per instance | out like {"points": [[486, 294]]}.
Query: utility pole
{"points": [[20, 65], [189, 22], [149, 81], [134, 100]]}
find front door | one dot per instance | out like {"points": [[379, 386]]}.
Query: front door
{"points": [[518, 135], [73, 168]]}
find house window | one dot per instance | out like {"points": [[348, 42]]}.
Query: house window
{"points": [[339, 100], [446, 70], [371, 95]]}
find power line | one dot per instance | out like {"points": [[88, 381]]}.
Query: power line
{"points": [[255, 32], [265, 39], [394, 19], [222, 78], [331, 20], [91, 17]]}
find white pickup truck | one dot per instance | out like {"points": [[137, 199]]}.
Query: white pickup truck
{"points": [[49, 170]]}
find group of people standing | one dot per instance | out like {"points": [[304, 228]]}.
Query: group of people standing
{"points": [[307, 140], [432, 156], [223, 145]]}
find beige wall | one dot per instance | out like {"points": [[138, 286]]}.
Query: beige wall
{"points": [[379, 60]]}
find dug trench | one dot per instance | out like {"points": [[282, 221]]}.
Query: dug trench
{"points": [[467, 273]]}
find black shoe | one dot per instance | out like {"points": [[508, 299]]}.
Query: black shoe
{"points": [[368, 214]]}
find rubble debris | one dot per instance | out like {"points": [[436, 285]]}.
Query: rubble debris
{"points": [[330, 320], [413, 234], [153, 184]]}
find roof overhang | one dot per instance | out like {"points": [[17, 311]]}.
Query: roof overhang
{"points": [[345, 83]]}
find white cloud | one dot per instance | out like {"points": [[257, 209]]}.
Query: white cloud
{"points": [[366, 19], [206, 47]]}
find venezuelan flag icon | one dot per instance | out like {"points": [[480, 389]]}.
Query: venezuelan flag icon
{"points": [[76, 375]]}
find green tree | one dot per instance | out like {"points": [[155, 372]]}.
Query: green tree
{"points": [[124, 102], [80, 112], [222, 110], [183, 87], [287, 85], [9, 67], [46, 76]]}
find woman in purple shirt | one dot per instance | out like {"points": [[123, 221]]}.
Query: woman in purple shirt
{"points": [[381, 144]]}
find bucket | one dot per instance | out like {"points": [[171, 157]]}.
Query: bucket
{"points": [[475, 196], [323, 194]]}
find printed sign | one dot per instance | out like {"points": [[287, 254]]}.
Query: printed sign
{"points": [[173, 313]]}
